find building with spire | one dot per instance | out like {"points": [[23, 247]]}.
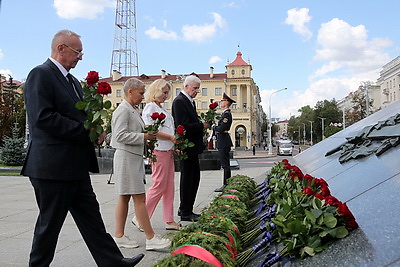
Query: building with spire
{"points": [[248, 115]]}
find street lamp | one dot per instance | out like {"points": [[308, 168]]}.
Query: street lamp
{"points": [[304, 133], [270, 122], [323, 127], [311, 132]]}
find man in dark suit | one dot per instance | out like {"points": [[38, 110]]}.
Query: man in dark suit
{"points": [[224, 141], [184, 113], [60, 156]]}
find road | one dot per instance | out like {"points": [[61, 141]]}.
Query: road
{"points": [[260, 162]]}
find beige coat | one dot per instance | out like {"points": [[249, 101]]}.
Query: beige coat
{"points": [[127, 129]]}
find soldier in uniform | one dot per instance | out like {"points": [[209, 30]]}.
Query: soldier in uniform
{"points": [[224, 142]]}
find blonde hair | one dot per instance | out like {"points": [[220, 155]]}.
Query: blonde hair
{"points": [[154, 91]]}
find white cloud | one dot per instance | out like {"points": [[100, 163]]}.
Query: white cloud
{"points": [[6, 73], [214, 59], [202, 33], [230, 4], [155, 33], [298, 18], [346, 48], [87, 9], [347, 58]]}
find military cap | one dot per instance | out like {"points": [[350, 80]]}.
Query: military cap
{"points": [[227, 98]]}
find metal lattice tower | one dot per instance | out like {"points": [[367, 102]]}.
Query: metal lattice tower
{"points": [[124, 56]]}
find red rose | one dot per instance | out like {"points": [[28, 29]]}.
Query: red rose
{"points": [[103, 88], [352, 224], [180, 130], [92, 78], [308, 191], [161, 116], [332, 201], [319, 196], [213, 105], [155, 115], [325, 190]]}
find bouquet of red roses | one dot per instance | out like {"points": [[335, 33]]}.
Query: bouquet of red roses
{"points": [[159, 119], [182, 143], [211, 115], [93, 104]]}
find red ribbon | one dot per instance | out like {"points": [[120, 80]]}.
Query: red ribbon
{"points": [[199, 253]]}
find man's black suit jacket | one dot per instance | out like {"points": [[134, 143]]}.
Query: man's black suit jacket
{"points": [[185, 115], [59, 147]]}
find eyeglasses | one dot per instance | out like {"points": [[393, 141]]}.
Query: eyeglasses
{"points": [[78, 53]]}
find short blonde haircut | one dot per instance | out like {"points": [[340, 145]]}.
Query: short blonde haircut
{"points": [[154, 91]]}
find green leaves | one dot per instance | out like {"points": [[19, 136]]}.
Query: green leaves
{"points": [[304, 223], [96, 110]]}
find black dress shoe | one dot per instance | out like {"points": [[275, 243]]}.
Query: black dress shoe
{"points": [[130, 261], [219, 189], [190, 218]]}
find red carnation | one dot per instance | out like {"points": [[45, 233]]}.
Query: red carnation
{"points": [[161, 116], [103, 88], [180, 130], [92, 78], [154, 116]]}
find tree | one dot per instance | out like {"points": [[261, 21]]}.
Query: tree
{"points": [[13, 151], [327, 111], [359, 108], [12, 108]]}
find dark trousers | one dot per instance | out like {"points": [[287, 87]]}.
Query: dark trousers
{"points": [[189, 184], [225, 163], [55, 199]]}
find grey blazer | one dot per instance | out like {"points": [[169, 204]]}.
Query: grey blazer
{"points": [[127, 129]]}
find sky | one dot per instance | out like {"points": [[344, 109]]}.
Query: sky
{"points": [[316, 49]]}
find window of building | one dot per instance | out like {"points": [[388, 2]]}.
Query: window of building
{"points": [[233, 72], [203, 91], [243, 71], [218, 91], [234, 91], [204, 105], [118, 93], [234, 106], [177, 91]]}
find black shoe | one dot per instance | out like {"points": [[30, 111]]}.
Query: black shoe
{"points": [[130, 261], [190, 218], [219, 189]]}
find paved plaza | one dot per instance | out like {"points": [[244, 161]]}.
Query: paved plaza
{"points": [[19, 211]]}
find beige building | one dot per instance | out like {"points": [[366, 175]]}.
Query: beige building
{"points": [[237, 82], [389, 81]]}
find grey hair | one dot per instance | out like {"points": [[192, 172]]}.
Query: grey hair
{"points": [[60, 35], [191, 79], [132, 83]]}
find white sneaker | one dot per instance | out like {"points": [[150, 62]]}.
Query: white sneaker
{"points": [[136, 223], [157, 243], [125, 242]]}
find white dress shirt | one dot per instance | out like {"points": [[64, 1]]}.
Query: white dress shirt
{"points": [[168, 127]]}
